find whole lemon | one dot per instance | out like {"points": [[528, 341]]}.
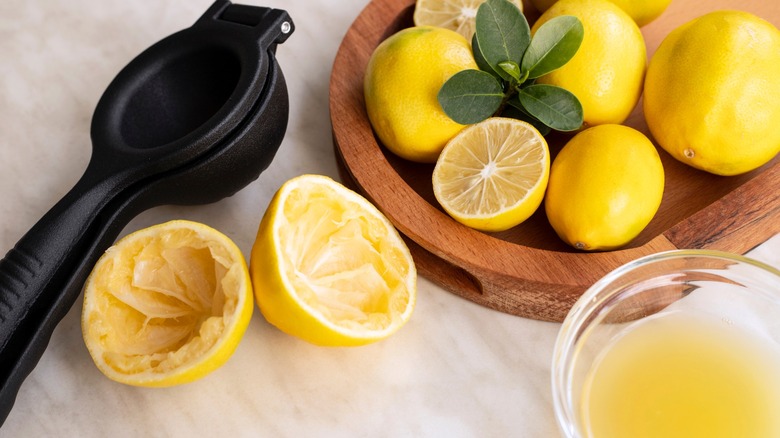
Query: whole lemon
{"points": [[641, 11], [607, 71], [402, 81], [712, 93], [605, 186]]}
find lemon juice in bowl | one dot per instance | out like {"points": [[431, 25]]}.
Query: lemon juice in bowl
{"points": [[684, 375], [682, 343]]}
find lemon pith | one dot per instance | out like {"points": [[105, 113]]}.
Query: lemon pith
{"points": [[329, 268]]}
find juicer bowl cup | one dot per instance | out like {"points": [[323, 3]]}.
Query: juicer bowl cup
{"points": [[739, 291]]}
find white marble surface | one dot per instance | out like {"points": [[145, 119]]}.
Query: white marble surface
{"points": [[456, 369]]}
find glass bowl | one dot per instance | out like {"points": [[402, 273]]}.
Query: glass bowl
{"points": [[737, 293]]}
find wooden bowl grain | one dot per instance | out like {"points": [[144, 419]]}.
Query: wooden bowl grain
{"points": [[528, 271]]}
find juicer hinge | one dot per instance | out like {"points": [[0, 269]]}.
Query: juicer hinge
{"points": [[273, 26]]}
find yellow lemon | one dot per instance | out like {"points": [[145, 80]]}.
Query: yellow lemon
{"points": [[402, 81], [712, 93], [166, 304], [606, 184], [607, 72], [492, 175], [329, 268], [457, 15], [641, 11]]}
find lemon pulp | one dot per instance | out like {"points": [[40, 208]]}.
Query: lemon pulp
{"points": [[330, 268], [166, 305]]}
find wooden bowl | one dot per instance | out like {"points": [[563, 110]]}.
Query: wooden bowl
{"points": [[528, 271]]}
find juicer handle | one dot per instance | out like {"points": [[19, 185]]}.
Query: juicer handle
{"points": [[41, 277]]}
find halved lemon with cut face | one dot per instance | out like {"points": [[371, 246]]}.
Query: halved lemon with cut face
{"points": [[457, 15], [330, 268], [166, 304], [492, 175]]}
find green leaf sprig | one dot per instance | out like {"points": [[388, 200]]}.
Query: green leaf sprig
{"points": [[509, 62]]}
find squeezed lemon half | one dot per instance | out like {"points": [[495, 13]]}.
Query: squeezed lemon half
{"points": [[166, 304], [330, 268]]}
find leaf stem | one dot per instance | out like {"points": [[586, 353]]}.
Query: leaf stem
{"points": [[523, 78], [507, 95]]}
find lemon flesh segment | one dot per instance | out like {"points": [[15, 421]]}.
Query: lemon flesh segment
{"points": [[329, 268], [457, 15], [492, 176], [166, 305]]}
